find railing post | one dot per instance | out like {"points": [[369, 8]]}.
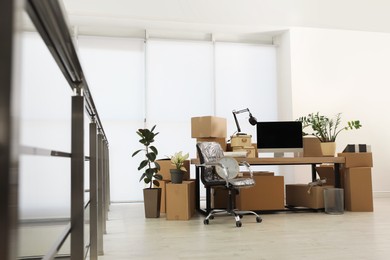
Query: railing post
{"points": [[93, 208], [106, 202], [100, 195], [103, 176], [108, 177], [9, 140], [77, 179]]}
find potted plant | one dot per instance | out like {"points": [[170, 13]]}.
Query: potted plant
{"points": [[326, 129], [150, 168], [177, 160]]}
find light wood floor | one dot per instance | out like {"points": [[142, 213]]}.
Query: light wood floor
{"points": [[352, 235]]}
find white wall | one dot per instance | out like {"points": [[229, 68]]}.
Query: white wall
{"points": [[345, 71]]}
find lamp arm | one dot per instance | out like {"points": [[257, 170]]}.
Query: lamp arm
{"points": [[235, 117]]}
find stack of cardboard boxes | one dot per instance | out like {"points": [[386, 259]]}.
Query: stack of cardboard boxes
{"points": [[355, 180], [177, 200], [241, 143]]}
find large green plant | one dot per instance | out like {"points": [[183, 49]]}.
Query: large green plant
{"points": [[149, 165], [326, 129]]}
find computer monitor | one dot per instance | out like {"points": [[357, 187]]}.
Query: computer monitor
{"points": [[279, 137]]}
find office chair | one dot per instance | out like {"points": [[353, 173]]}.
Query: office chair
{"points": [[217, 170]]}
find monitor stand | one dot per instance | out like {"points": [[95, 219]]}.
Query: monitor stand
{"points": [[287, 154], [279, 155]]}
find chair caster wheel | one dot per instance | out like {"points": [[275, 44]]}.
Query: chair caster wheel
{"points": [[258, 220], [240, 215], [238, 224], [206, 221], [211, 217]]}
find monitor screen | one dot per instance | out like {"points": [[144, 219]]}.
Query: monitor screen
{"points": [[279, 137]]}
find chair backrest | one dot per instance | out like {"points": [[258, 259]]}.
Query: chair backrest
{"points": [[210, 152]]}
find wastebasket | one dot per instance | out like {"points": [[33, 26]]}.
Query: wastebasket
{"points": [[334, 200]]}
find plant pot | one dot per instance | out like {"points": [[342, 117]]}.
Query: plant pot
{"points": [[176, 176], [152, 202], [328, 148]]}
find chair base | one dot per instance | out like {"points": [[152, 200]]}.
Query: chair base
{"points": [[238, 214]]}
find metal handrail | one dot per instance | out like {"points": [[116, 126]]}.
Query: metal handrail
{"points": [[46, 152], [42, 151], [48, 18]]}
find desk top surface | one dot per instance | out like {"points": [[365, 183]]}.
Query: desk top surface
{"points": [[286, 160]]}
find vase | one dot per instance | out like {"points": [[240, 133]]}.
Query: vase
{"points": [[328, 148], [152, 202], [176, 176]]}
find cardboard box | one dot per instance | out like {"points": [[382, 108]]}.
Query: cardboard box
{"points": [[165, 166], [250, 151], [229, 148], [180, 200], [241, 141], [357, 159], [267, 194], [256, 173], [311, 147], [163, 184], [358, 189], [327, 171], [220, 140], [298, 195], [208, 126]]}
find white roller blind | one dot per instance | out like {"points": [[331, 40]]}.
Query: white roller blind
{"points": [[44, 182], [114, 69], [245, 78], [179, 86]]}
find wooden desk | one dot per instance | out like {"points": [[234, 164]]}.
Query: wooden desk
{"points": [[313, 161]]}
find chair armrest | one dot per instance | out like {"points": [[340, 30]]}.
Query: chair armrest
{"points": [[213, 164], [248, 167]]}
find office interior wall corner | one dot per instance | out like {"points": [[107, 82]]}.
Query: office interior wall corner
{"points": [[345, 71], [284, 93]]}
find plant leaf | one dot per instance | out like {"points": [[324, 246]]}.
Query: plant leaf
{"points": [[142, 177], [158, 176], [154, 149], [136, 152], [156, 183], [151, 156], [142, 164], [157, 165]]}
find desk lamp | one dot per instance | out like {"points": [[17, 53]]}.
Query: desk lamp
{"points": [[252, 119]]}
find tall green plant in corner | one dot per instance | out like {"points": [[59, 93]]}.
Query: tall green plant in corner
{"points": [[149, 165]]}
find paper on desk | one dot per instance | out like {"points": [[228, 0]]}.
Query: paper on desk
{"points": [[235, 154]]}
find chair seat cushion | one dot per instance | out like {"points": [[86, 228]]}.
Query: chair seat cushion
{"points": [[242, 182]]}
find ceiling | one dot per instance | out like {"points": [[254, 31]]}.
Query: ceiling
{"points": [[242, 18]]}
